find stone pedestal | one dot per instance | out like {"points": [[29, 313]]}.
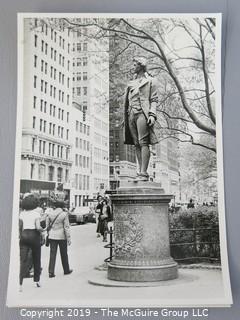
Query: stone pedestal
{"points": [[141, 234]]}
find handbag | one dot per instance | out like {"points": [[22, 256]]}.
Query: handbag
{"points": [[49, 228]]}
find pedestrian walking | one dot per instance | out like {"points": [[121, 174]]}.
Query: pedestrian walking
{"points": [[30, 239], [58, 228]]}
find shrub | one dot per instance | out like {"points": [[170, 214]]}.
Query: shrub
{"points": [[194, 234]]}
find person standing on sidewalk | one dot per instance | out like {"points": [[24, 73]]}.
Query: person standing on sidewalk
{"points": [[105, 217], [59, 235], [30, 238]]}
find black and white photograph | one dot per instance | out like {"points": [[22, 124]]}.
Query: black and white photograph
{"points": [[119, 185]]}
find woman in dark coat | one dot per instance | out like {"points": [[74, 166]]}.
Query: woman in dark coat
{"points": [[104, 218], [30, 238]]}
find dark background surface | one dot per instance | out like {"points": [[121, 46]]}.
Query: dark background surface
{"points": [[231, 115]]}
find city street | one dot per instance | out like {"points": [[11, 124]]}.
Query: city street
{"points": [[86, 253]]}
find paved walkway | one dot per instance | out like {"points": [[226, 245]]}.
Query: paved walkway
{"points": [[193, 287]]}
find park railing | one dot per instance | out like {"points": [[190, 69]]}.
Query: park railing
{"points": [[194, 236], [198, 244]]}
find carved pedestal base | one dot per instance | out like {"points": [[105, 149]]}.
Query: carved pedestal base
{"points": [[141, 234]]}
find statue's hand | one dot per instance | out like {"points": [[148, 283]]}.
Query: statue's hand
{"points": [[151, 121]]}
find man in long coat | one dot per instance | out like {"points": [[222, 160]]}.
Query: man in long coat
{"points": [[140, 105]]}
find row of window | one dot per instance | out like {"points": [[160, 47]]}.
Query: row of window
{"points": [[53, 71], [81, 91], [81, 200], [81, 182], [51, 176], [45, 28], [80, 62], [53, 90], [50, 149], [53, 52], [52, 109], [81, 127], [82, 144], [78, 76], [82, 161], [80, 46], [51, 128]]}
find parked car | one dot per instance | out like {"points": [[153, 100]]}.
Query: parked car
{"points": [[81, 215]]}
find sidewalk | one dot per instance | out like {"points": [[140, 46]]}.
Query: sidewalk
{"points": [[193, 287]]}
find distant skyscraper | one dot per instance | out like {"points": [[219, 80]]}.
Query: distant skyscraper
{"points": [[91, 104]]}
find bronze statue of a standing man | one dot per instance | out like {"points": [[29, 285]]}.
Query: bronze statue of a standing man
{"points": [[140, 105]]}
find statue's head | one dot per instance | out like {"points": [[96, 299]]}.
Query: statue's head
{"points": [[140, 64]]}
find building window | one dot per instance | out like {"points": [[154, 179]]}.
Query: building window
{"points": [[42, 63], [33, 144], [32, 171], [84, 91], [51, 33], [85, 61], [78, 91], [35, 40], [67, 116], [50, 128], [35, 82], [59, 174], [34, 102], [53, 150], [66, 175], [35, 61], [42, 46], [79, 46], [41, 172], [42, 85], [44, 146], [46, 67], [34, 122], [67, 134], [45, 106], [46, 48], [85, 46], [84, 75], [41, 123], [50, 173]]}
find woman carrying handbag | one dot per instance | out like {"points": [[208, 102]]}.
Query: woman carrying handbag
{"points": [[58, 227]]}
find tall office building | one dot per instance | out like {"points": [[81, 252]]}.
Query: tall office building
{"points": [[91, 105], [47, 101]]}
